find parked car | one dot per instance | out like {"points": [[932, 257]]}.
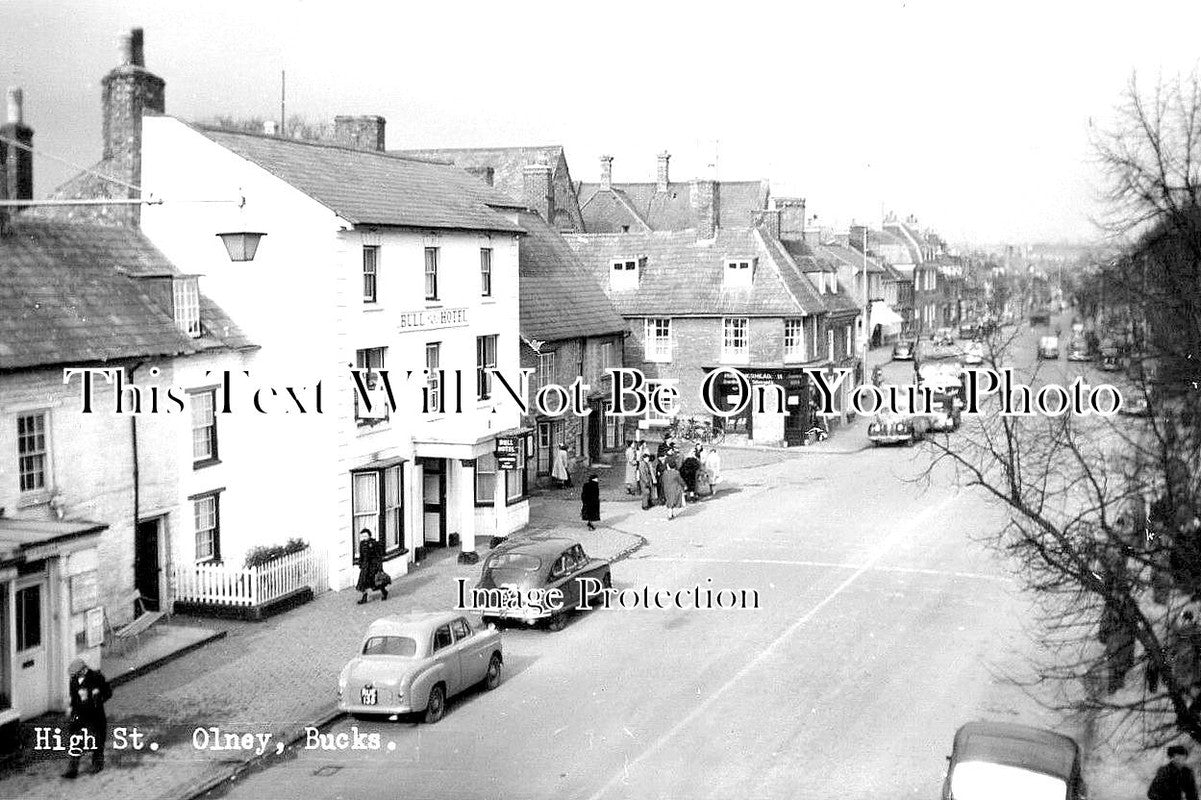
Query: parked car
{"points": [[889, 427], [413, 664], [902, 350], [1078, 349], [944, 413], [1111, 358], [1003, 759], [969, 330], [552, 562], [1135, 405], [973, 353], [1040, 316], [944, 336], [1048, 348]]}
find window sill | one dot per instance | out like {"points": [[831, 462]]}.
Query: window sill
{"points": [[38, 498], [205, 464], [394, 554], [209, 562], [372, 307]]}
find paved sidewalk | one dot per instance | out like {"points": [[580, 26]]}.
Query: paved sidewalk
{"points": [[274, 676]]}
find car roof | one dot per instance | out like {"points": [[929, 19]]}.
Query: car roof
{"points": [[1015, 745], [416, 624], [542, 546]]}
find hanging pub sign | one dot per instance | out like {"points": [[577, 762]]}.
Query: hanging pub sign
{"points": [[508, 451]]}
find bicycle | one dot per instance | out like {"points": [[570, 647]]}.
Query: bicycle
{"points": [[698, 431]]}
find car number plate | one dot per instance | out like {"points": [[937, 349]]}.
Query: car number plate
{"points": [[368, 695]]}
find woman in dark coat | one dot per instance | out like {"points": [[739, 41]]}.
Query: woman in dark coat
{"points": [[673, 489], [590, 501], [371, 563], [688, 471]]}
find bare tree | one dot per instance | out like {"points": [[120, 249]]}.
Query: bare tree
{"points": [[1103, 512], [296, 126]]}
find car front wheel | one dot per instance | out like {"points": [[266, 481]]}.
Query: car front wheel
{"points": [[492, 676], [435, 709]]}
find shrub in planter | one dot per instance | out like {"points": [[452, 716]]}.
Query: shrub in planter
{"points": [[262, 554]]}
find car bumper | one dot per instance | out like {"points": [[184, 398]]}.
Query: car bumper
{"points": [[528, 617], [889, 438], [391, 708], [1078, 357]]}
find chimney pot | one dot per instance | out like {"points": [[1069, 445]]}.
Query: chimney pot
{"points": [[137, 48], [16, 106], [606, 172], [127, 95], [662, 174], [362, 132]]}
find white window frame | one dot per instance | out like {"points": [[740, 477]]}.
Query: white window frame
{"points": [[485, 272], [736, 340], [204, 421], [653, 417], [740, 272], [485, 469], [185, 294], [38, 467], [850, 339], [363, 358], [370, 273], [794, 329], [658, 345], [431, 274], [516, 487], [433, 362], [484, 361], [830, 343], [206, 540], [606, 357], [546, 368]]}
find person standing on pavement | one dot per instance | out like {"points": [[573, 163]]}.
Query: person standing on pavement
{"points": [[89, 692], [632, 468], [703, 487], [647, 480], [1175, 779], [590, 501], [673, 489], [665, 446], [560, 471], [660, 465], [689, 468], [371, 566], [712, 464]]}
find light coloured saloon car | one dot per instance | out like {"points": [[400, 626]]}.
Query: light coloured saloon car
{"points": [[413, 664]]}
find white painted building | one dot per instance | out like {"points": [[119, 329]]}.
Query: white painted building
{"points": [[367, 260]]}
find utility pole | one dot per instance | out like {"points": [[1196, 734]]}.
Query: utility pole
{"points": [[283, 93], [866, 308]]}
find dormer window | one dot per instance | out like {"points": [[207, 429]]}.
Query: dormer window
{"points": [[625, 273], [739, 273], [186, 300]]}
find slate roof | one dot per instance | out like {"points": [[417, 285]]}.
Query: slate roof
{"points": [[808, 260], [560, 297], [508, 163], [667, 211], [64, 299], [87, 186], [684, 276], [846, 255], [369, 187]]}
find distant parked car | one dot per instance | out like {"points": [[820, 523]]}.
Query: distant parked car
{"points": [[902, 350], [1048, 348], [969, 330], [1004, 760], [542, 564], [1135, 405], [415, 663], [973, 353], [1111, 358], [889, 427], [1078, 349], [1040, 316], [944, 336]]}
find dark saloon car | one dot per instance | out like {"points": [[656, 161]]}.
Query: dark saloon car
{"points": [[902, 350], [532, 567], [994, 760]]}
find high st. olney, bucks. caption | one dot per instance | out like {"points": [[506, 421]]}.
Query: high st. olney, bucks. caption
{"points": [[725, 392]]}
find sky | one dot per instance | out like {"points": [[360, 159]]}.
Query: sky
{"points": [[975, 117]]}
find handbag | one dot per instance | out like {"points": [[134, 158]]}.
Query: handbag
{"points": [[382, 579]]}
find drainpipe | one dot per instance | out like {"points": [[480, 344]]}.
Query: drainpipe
{"points": [[137, 511]]}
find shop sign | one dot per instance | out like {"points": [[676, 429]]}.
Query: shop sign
{"points": [[508, 451], [431, 318]]}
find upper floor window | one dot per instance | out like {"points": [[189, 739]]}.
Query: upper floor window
{"points": [[431, 273], [739, 273], [370, 265], [485, 271], [186, 296], [204, 427], [433, 378], [794, 340], [546, 368], [485, 362], [658, 340], [734, 348], [850, 340], [830, 343], [371, 360], [625, 273], [606, 356], [33, 451]]}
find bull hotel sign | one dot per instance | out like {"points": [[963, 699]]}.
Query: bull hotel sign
{"points": [[431, 318]]}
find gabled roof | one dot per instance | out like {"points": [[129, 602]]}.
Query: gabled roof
{"points": [[909, 237], [69, 294], [671, 210], [807, 260], [374, 188], [848, 256], [684, 276], [560, 297], [507, 163]]}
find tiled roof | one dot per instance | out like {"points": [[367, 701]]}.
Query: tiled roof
{"points": [[684, 276], [508, 163], [803, 255], [64, 299], [560, 297], [671, 210], [908, 237], [87, 186], [369, 187], [847, 255]]}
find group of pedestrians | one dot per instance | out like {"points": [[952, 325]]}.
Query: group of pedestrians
{"points": [[668, 478]]}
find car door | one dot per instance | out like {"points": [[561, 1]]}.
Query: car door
{"points": [[473, 658], [586, 566], [561, 577], [446, 656]]}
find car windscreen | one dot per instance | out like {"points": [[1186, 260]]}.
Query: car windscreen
{"points": [[514, 562], [981, 780], [390, 646]]}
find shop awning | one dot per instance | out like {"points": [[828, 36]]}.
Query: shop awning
{"points": [[27, 539], [888, 320]]}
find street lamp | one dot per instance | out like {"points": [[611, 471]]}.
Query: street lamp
{"points": [[241, 245]]}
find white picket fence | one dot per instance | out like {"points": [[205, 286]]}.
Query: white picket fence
{"points": [[251, 586]]}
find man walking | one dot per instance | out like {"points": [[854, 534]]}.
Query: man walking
{"points": [[1174, 780], [88, 725]]}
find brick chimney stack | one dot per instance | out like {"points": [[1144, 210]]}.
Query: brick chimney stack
{"points": [[706, 205], [537, 191], [768, 221], [661, 175], [792, 218], [129, 92], [606, 172], [17, 161], [363, 132], [485, 174]]}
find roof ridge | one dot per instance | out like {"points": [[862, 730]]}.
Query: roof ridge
{"points": [[392, 154]]}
